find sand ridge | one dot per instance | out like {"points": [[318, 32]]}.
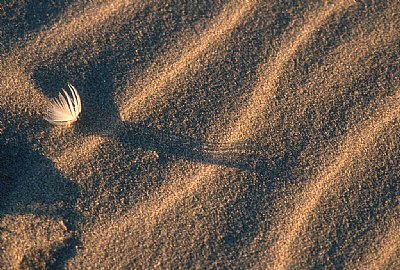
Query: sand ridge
{"points": [[153, 89], [384, 251], [54, 40], [353, 148]]}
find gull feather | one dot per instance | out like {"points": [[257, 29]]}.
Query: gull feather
{"points": [[65, 109]]}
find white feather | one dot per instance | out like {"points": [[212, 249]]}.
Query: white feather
{"points": [[65, 109]]}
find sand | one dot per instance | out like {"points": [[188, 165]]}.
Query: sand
{"points": [[220, 134]]}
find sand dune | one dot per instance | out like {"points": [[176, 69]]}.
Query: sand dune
{"points": [[222, 134]]}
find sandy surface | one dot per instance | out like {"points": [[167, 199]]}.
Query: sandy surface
{"points": [[221, 134]]}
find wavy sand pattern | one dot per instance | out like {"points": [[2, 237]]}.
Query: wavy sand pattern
{"points": [[153, 89], [352, 149], [221, 134]]}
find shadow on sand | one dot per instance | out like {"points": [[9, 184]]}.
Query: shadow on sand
{"points": [[30, 184]]}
